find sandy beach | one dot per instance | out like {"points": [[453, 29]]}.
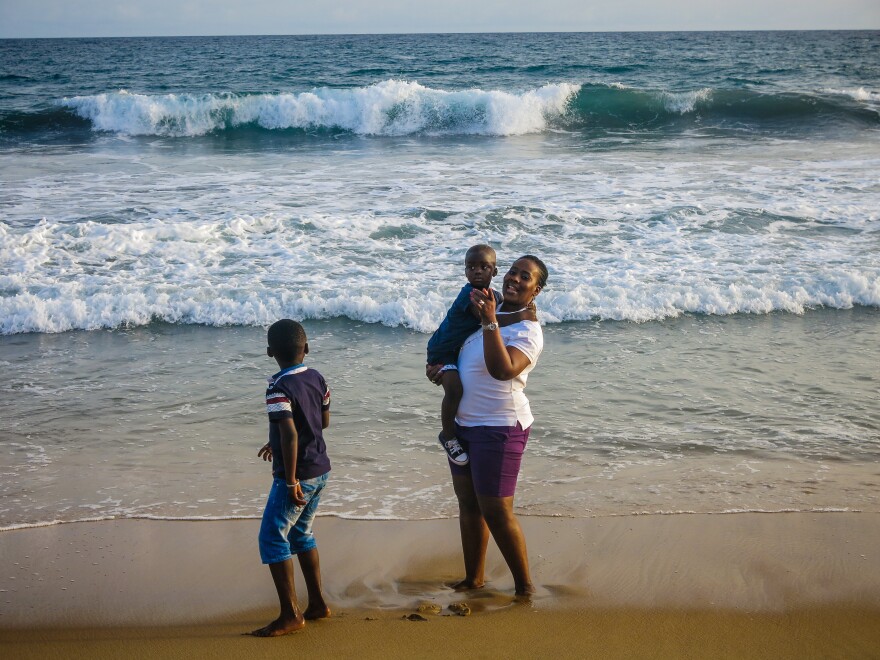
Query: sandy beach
{"points": [[740, 585]]}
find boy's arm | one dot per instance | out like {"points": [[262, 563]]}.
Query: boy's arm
{"points": [[265, 452], [325, 407], [463, 303], [289, 450]]}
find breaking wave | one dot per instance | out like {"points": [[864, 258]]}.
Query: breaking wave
{"points": [[401, 108]]}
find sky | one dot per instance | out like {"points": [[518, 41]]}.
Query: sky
{"points": [[121, 18]]}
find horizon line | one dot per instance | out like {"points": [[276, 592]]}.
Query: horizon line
{"points": [[404, 34]]}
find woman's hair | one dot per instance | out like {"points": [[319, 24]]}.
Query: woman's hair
{"points": [[542, 269]]}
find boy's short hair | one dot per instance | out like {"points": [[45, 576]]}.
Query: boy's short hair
{"points": [[286, 338], [481, 247]]}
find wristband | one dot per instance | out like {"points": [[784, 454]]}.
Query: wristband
{"points": [[294, 484]]}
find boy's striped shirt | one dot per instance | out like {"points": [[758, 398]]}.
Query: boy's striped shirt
{"points": [[301, 394]]}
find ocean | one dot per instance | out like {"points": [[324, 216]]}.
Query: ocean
{"points": [[707, 205]]}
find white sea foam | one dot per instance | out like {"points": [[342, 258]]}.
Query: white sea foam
{"points": [[865, 97], [391, 107], [858, 94], [685, 102], [249, 271], [378, 238], [379, 517]]}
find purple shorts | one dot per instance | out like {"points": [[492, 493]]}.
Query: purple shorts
{"points": [[495, 454]]}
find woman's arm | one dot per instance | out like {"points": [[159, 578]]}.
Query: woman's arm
{"points": [[502, 362]]}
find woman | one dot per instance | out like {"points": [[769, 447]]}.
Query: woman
{"points": [[493, 422]]}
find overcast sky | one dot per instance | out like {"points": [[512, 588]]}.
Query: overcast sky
{"points": [[109, 18]]}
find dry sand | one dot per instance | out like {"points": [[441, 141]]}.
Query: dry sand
{"points": [[794, 585]]}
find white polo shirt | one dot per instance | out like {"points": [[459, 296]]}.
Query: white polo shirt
{"points": [[491, 402]]}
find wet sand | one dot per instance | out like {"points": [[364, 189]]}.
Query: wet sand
{"points": [[740, 585]]}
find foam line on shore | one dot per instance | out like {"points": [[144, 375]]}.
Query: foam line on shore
{"points": [[51, 523]]}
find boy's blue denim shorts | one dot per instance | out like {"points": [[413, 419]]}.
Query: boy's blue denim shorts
{"points": [[286, 529]]}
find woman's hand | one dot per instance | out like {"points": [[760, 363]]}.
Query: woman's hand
{"points": [[484, 302], [502, 362], [432, 371], [265, 452]]}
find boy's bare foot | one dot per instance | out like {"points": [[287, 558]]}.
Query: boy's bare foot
{"points": [[320, 611], [466, 585], [279, 626]]}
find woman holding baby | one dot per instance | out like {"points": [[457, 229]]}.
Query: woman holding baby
{"points": [[493, 421]]}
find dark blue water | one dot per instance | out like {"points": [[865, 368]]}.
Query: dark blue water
{"points": [[635, 83]]}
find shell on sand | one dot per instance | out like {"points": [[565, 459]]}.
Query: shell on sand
{"points": [[461, 609], [430, 608]]}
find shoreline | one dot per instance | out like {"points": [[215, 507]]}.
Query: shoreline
{"points": [[700, 414], [16, 527], [741, 585]]}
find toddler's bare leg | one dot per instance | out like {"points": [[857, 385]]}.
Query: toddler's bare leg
{"points": [[311, 568], [452, 393]]}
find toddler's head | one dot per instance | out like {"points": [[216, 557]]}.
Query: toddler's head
{"points": [[479, 266]]}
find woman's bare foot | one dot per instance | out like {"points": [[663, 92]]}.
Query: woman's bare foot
{"points": [[280, 626], [466, 585], [524, 594], [317, 611]]}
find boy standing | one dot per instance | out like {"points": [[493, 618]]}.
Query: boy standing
{"points": [[461, 321], [298, 404]]}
